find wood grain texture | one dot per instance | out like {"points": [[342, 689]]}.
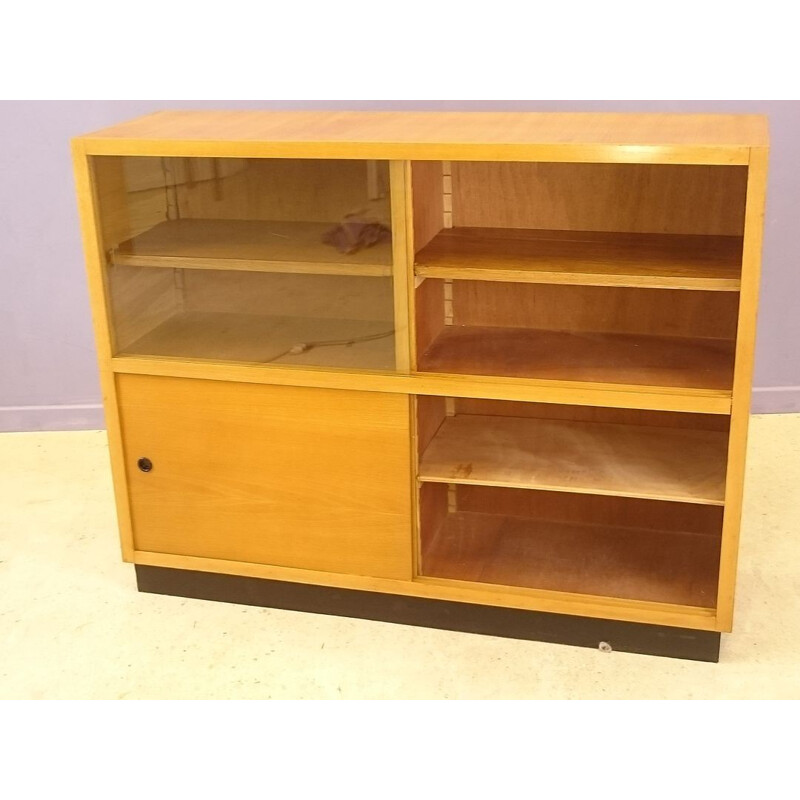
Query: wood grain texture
{"points": [[95, 236], [616, 137], [141, 300], [431, 514], [122, 213], [659, 419], [429, 311], [621, 198], [659, 261], [430, 412], [629, 359], [623, 562], [707, 401], [586, 509], [288, 190], [402, 270], [254, 316], [259, 338], [288, 294], [676, 464], [687, 369], [426, 183], [596, 309], [742, 383], [257, 245], [309, 478]]}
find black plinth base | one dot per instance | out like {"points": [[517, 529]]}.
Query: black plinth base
{"points": [[629, 637]]}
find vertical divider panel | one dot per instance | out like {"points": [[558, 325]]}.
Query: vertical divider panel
{"points": [[402, 261], [430, 500], [416, 487], [742, 383], [403, 206]]}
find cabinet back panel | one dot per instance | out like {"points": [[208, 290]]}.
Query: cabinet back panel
{"points": [[596, 309], [604, 546], [274, 293], [632, 198], [306, 190], [660, 419], [587, 509], [137, 193]]}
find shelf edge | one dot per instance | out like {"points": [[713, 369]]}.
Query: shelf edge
{"points": [[504, 275], [700, 401], [721, 155], [545, 487], [252, 265]]}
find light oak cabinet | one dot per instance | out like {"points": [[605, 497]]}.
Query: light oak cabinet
{"points": [[480, 371]]}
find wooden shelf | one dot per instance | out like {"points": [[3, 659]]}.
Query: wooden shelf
{"points": [[630, 563], [259, 338], [582, 457], [663, 261], [260, 246], [654, 361]]}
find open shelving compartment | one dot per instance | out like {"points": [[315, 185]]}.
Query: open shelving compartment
{"points": [[595, 501], [269, 261], [603, 273]]}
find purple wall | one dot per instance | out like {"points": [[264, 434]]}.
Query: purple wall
{"points": [[48, 375]]}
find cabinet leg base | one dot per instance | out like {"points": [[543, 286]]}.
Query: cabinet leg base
{"points": [[628, 637]]}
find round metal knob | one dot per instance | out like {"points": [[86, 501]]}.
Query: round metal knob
{"points": [[144, 464]]}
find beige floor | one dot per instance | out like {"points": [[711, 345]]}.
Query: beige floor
{"points": [[72, 624]]}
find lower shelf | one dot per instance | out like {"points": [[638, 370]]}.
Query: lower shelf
{"points": [[671, 464], [266, 339], [513, 623], [612, 561]]}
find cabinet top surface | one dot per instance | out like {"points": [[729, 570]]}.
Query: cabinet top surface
{"points": [[691, 138]]}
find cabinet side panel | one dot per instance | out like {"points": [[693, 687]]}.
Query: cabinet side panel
{"points": [[94, 249], [742, 383], [131, 196], [314, 479], [141, 299]]}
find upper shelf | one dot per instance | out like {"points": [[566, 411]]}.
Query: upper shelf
{"points": [[660, 261], [256, 245]]}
